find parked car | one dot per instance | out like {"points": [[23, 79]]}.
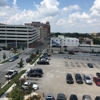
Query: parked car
{"points": [[10, 74], [50, 97], [73, 97], [71, 52], [98, 74], [87, 79], [78, 78], [90, 65], [26, 85], [61, 96], [69, 57], [97, 98], [61, 52], [36, 70], [16, 57], [12, 59], [86, 97], [43, 62], [96, 80], [35, 74], [45, 57], [28, 60], [46, 54], [69, 79]]}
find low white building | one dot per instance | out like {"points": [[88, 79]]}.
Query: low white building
{"points": [[18, 35], [64, 41]]}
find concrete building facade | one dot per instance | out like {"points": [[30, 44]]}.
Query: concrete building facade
{"points": [[43, 27], [64, 42], [17, 35]]}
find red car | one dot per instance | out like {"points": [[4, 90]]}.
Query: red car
{"points": [[96, 80]]}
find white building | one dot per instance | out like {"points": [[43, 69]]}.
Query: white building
{"points": [[17, 35], [62, 41]]}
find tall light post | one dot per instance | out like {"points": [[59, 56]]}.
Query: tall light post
{"points": [[60, 44]]}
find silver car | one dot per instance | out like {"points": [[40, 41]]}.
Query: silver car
{"points": [[86, 97], [87, 79], [27, 84]]}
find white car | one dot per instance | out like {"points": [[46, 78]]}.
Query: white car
{"points": [[69, 57], [10, 74], [87, 79], [27, 84]]}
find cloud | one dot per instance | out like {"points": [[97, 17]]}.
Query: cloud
{"points": [[48, 7], [95, 9], [69, 18], [14, 2], [3, 2], [70, 8]]}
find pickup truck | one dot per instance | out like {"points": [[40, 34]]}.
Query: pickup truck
{"points": [[10, 74]]}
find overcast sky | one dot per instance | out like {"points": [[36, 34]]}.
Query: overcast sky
{"points": [[64, 15]]}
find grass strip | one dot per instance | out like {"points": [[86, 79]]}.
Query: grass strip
{"points": [[35, 59], [7, 86]]}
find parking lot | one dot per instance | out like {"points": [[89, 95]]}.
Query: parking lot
{"points": [[54, 77]]}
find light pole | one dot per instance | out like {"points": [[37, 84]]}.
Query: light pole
{"points": [[60, 44]]}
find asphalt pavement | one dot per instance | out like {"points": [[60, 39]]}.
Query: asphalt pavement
{"points": [[12, 65]]}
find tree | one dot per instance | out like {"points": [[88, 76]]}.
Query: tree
{"points": [[37, 51], [20, 64], [19, 82], [16, 94], [15, 50], [32, 56], [4, 56], [23, 48], [65, 50]]}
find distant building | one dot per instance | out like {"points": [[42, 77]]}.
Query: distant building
{"points": [[17, 35], [87, 41], [64, 41], [43, 29]]}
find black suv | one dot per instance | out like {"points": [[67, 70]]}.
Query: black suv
{"points": [[78, 78], [61, 96], [35, 74], [69, 79], [35, 70], [97, 98], [90, 65], [73, 97]]}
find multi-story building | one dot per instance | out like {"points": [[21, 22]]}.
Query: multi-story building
{"points": [[64, 42], [43, 28], [17, 35]]}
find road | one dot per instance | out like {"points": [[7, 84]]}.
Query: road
{"points": [[12, 65]]}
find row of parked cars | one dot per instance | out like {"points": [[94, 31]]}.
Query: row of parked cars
{"points": [[44, 59], [86, 78], [62, 96]]}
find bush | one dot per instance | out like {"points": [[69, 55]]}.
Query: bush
{"points": [[34, 97], [16, 94]]}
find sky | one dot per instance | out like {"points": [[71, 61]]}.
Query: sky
{"points": [[82, 16]]}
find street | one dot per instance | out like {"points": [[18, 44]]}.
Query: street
{"points": [[12, 65]]}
